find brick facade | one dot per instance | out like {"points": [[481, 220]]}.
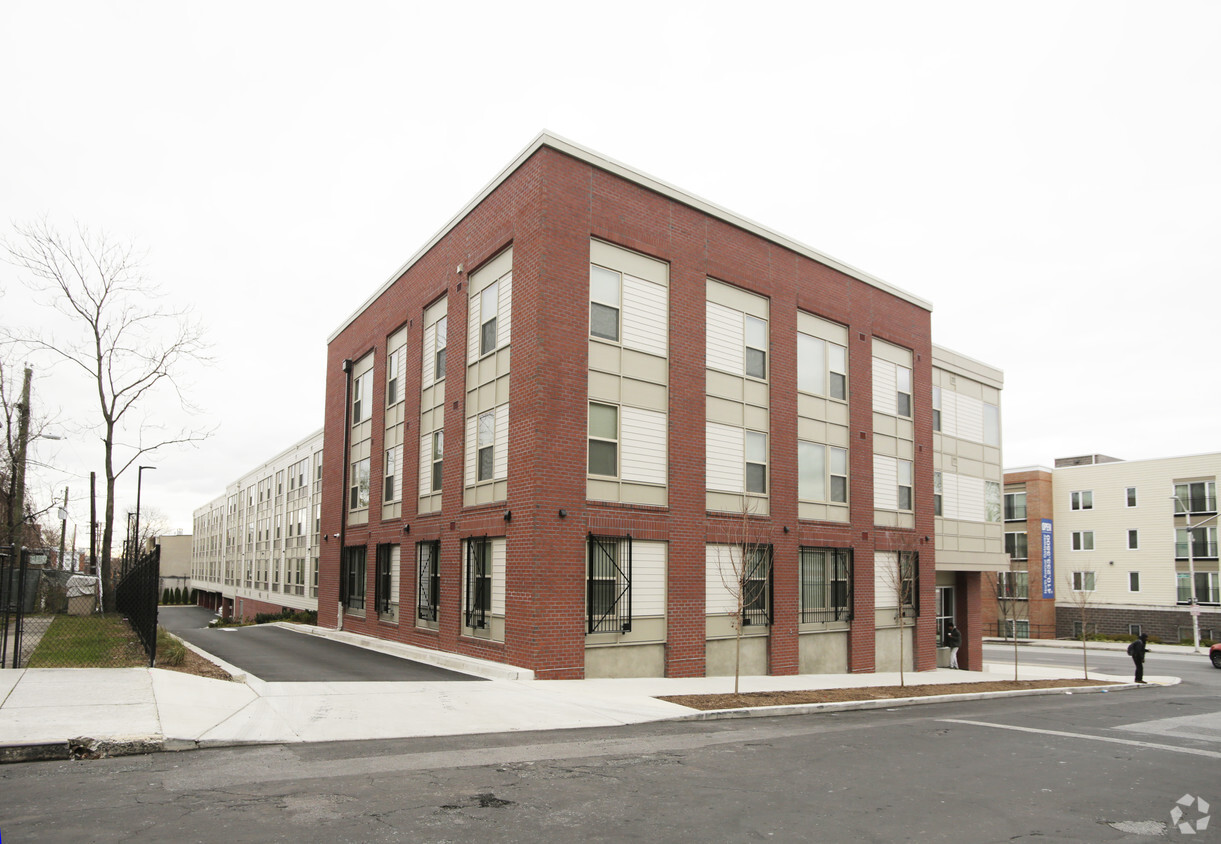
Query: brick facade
{"points": [[548, 208]]}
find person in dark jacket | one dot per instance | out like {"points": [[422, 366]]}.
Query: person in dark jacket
{"points": [[953, 641], [1138, 649]]}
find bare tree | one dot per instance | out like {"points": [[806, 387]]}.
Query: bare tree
{"points": [[898, 571], [1011, 591], [1081, 584], [744, 563], [131, 350], [18, 528]]}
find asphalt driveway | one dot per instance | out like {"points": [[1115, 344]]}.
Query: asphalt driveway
{"points": [[277, 655]]}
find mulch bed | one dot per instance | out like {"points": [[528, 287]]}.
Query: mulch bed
{"points": [[788, 698]]}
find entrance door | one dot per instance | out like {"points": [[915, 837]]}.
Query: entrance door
{"points": [[945, 610]]}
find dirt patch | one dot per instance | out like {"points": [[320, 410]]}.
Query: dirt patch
{"points": [[788, 698], [195, 664]]}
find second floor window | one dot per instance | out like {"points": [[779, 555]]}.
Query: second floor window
{"points": [[1015, 506], [1015, 545], [1083, 500]]}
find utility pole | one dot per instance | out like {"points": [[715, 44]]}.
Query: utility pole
{"points": [[17, 514], [63, 531]]}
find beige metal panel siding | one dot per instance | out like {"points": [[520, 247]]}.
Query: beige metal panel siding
{"points": [[472, 448], [426, 464], [725, 339], [885, 593], [725, 458], [498, 577], [885, 387], [644, 316], [885, 483], [642, 445], [500, 468], [430, 352], [720, 580], [648, 578], [504, 311], [970, 419]]}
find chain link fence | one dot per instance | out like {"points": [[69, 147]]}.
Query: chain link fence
{"points": [[51, 618]]}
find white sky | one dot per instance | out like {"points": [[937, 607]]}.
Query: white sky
{"points": [[1047, 174]]}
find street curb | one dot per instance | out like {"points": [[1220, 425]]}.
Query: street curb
{"points": [[887, 703]]}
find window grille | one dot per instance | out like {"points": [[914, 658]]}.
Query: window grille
{"points": [[478, 582], [756, 585], [382, 597], [428, 587], [609, 584], [826, 584]]}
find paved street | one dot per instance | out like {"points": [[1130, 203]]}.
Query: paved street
{"points": [[277, 655], [1058, 768]]}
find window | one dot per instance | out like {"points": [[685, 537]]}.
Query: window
{"points": [[1083, 500], [438, 368], [1083, 540], [1133, 581], [352, 578], [361, 386], [438, 458], [489, 306], [385, 586], [756, 584], [1012, 586], [1206, 587], [756, 348], [903, 378], [389, 493], [937, 493], [604, 291], [603, 440], [478, 582], [1015, 506], [1017, 628], [905, 484], [992, 424], [609, 585], [822, 473], [826, 584], [821, 367], [359, 498], [1083, 581], [393, 361], [1203, 543], [428, 581], [1015, 545], [936, 408], [992, 501], [1195, 497], [485, 456], [1133, 540], [1130, 496], [756, 462]]}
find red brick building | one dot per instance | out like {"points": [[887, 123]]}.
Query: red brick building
{"points": [[593, 412]]}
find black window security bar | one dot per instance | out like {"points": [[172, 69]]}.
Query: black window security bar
{"points": [[381, 586], [609, 584], [352, 577], [756, 585], [909, 583], [826, 584], [478, 582], [428, 586]]}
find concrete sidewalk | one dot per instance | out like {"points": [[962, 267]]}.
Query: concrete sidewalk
{"points": [[80, 712]]}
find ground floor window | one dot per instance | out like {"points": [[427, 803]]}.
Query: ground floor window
{"points": [[609, 584], [1017, 628], [826, 584], [428, 568], [757, 585], [386, 584], [1206, 587], [478, 579], [352, 577], [945, 610]]}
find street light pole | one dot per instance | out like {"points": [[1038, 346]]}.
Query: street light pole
{"points": [[139, 480]]}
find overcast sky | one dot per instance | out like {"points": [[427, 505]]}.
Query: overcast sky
{"points": [[1048, 175]]}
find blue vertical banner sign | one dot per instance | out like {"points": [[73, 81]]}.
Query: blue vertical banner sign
{"points": [[1049, 564]]}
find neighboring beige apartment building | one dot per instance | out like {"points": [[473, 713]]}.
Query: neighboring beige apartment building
{"points": [[255, 548]]}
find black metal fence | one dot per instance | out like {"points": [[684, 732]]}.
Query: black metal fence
{"points": [[51, 618], [136, 598]]}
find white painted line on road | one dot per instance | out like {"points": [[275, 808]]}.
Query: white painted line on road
{"points": [[1192, 751]]}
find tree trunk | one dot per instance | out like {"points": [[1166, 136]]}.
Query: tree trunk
{"points": [[108, 603]]}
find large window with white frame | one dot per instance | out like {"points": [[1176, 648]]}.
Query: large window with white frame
{"points": [[1083, 540], [822, 367], [1013, 585], [1082, 499], [1015, 545], [822, 473], [1198, 542], [1083, 581], [1015, 506], [892, 483], [1206, 587], [1195, 497]]}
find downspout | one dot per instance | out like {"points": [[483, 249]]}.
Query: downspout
{"points": [[343, 490]]}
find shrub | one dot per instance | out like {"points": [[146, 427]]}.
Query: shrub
{"points": [[166, 596], [177, 594], [170, 651]]}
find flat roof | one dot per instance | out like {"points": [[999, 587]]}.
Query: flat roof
{"points": [[602, 162]]}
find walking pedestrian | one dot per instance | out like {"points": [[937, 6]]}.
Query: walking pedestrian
{"points": [[1137, 651], [953, 641]]}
